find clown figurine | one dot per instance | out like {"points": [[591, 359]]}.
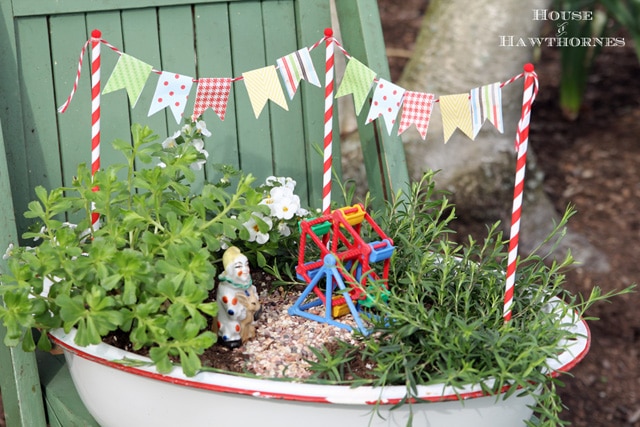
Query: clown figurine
{"points": [[237, 299]]}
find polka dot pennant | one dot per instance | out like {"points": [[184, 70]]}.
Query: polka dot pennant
{"points": [[386, 102], [172, 91]]}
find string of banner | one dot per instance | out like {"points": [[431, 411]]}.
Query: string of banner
{"points": [[464, 111]]}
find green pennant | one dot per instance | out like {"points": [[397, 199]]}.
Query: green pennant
{"points": [[131, 74], [357, 80]]}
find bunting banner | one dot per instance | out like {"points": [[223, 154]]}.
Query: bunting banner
{"points": [[357, 79], [386, 102], [130, 74], [456, 113], [172, 90], [295, 67], [263, 85], [467, 111], [416, 109], [486, 104], [212, 92]]}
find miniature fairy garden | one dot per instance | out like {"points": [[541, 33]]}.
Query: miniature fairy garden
{"points": [[234, 275]]}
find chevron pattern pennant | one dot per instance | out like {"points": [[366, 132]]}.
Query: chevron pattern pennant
{"points": [[263, 85], [456, 113]]}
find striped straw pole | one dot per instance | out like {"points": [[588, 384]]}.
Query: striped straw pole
{"points": [[522, 142], [96, 36], [328, 123]]}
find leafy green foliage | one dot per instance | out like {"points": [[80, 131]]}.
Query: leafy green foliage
{"points": [[147, 270], [577, 59], [443, 321]]}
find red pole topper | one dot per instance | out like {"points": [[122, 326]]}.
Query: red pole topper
{"points": [[522, 142], [96, 37]]}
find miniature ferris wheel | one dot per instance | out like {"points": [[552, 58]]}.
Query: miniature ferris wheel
{"points": [[349, 272]]}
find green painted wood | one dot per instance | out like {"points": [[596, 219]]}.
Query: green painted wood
{"points": [[67, 36], [64, 407], [140, 28], [38, 105], [384, 155], [11, 113], [287, 130], [21, 397], [40, 43], [115, 110], [248, 53], [38, 7], [213, 52], [313, 18]]}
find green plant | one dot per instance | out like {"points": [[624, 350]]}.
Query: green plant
{"points": [[443, 321], [149, 268], [577, 59]]}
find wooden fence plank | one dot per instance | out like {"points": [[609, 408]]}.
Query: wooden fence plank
{"points": [[247, 40], [287, 130], [39, 7], [213, 52], [38, 105]]}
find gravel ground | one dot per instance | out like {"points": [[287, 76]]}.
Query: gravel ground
{"points": [[281, 345]]}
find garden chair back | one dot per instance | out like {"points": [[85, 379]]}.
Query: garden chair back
{"points": [[40, 44]]}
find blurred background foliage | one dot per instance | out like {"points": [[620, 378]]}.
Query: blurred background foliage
{"points": [[611, 18]]}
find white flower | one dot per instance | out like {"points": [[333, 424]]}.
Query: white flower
{"points": [[287, 182], [255, 235], [202, 127], [199, 145], [43, 229], [186, 129], [8, 252], [285, 203], [171, 141], [284, 229]]}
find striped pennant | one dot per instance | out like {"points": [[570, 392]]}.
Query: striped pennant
{"points": [[486, 104], [263, 85], [295, 67], [456, 113]]}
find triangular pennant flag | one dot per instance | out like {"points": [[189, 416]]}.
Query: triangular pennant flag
{"points": [[416, 109], [386, 103], [172, 90], [263, 84], [295, 67], [486, 104], [456, 113], [357, 79], [212, 93], [131, 74]]}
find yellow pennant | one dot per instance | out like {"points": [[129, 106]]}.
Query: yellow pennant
{"points": [[456, 113], [263, 85]]}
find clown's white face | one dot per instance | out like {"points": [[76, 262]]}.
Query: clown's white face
{"points": [[238, 270]]}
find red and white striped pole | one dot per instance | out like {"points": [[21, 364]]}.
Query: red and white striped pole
{"points": [[522, 142], [328, 123], [96, 37]]}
